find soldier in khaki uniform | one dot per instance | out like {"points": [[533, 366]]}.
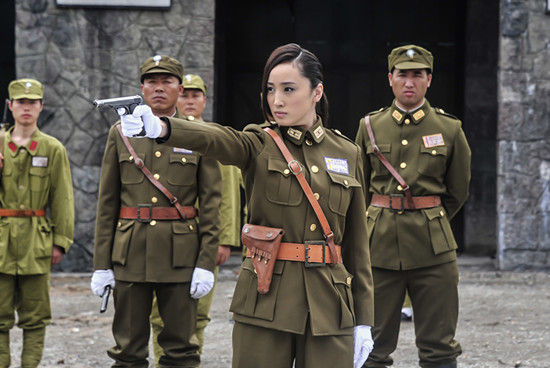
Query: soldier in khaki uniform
{"points": [[311, 316], [412, 246], [35, 176], [191, 103], [151, 248]]}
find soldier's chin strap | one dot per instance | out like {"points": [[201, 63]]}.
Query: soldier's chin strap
{"points": [[297, 170], [386, 163]]}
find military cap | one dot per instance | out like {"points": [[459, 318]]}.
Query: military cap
{"points": [[410, 57], [193, 81], [26, 88], [161, 64]]}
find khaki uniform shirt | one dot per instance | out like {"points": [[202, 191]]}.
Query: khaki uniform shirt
{"points": [[36, 176], [334, 297], [429, 150], [157, 251]]}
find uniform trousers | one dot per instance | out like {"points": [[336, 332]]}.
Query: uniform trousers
{"points": [[434, 297], [255, 346], [131, 326], [29, 295]]}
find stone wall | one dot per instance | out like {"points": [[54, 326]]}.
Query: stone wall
{"points": [[84, 54], [524, 135]]}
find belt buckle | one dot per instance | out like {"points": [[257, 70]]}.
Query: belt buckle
{"points": [[309, 264], [145, 220], [398, 211]]}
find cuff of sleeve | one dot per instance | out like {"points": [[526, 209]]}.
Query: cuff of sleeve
{"points": [[169, 128], [62, 241], [207, 265]]}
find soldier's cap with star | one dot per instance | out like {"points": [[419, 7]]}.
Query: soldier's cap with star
{"points": [[193, 81], [410, 57], [26, 88], [161, 64]]}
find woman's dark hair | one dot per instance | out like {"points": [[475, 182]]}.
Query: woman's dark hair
{"points": [[309, 67]]}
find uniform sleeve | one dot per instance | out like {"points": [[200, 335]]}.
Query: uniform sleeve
{"points": [[108, 205], [457, 179], [61, 199], [209, 187], [221, 143], [230, 209], [360, 139], [356, 255]]}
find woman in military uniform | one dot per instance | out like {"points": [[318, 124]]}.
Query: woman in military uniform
{"points": [[310, 314]]}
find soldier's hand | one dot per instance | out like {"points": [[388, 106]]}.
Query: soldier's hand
{"points": [[223, 254], [362, 338], [201, 282], [100, 279], [57, 254], [131, 126], [149, 122]]}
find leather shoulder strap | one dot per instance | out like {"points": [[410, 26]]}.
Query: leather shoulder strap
{"points": [[297, 170], [141, 165], [387, 164]]}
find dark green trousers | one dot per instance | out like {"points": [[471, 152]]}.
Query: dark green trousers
{"points": [[434, 297], [131, 329], [266, 348]]}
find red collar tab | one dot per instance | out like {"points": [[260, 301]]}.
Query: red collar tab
{"points": [[12, 146], [33, 145]]}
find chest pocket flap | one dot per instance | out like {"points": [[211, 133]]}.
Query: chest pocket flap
{"points": [[39, 178], [183, 169], [384, 147], [432, 161], [280, 185], [129, 172], [340, 193]]}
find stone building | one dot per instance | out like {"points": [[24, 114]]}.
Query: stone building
{"points": [[492, 70]]}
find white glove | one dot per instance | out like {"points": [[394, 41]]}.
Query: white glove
{"points": [[142, 117], [100, 279], [363, 345], [201, 282]]}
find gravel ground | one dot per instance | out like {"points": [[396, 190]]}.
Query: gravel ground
{"points": [[503, 322]]}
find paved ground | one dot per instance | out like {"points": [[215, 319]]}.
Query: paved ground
{"points": [[503, 322]]}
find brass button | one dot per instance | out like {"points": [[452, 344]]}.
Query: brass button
{"points": [[316, 195], [286, 171], [183, 159], [131, 158], [407, 121], [21, 187], [346, 183], [156, 176], [367, 213], [119, 224], [434, 152], [314, 169], [348, 280], [153, 223], [158, 154], [442, 213], [22, 206], [191, 227], [191, 117], [403, 165], [308, 142], [154, 200], [255, 271], [399, 188], [313, 227], [404, 142]]}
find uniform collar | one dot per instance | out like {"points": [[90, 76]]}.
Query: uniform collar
{"points": [[31, 146], [296, 135], [415, 116]]}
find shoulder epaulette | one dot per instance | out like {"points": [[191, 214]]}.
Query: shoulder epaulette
{"points": [[340, 134], [378, 111], [442, 112]]}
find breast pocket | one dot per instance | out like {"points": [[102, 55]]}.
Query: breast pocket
{"points": [[129, 172], [378, 168], [183, 169], [341, 192], [432, 161], [281, 185], [185, 244], [39, 179]]}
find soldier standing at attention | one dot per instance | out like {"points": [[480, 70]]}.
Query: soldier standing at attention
{"points": [[191, 104], [412, 199], [35, 176], [317, 310], [150, 242]]}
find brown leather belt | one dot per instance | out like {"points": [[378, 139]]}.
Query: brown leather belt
{"points": [[398, 203], [21, 213], [312, 253], [147, 213]]}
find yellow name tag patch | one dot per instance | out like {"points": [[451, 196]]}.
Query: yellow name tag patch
{"points": [[433, 140]]}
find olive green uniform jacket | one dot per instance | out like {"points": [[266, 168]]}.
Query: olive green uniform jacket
{"points": [[36, 176], [429, 150], [335, 298], [158, 251]]}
